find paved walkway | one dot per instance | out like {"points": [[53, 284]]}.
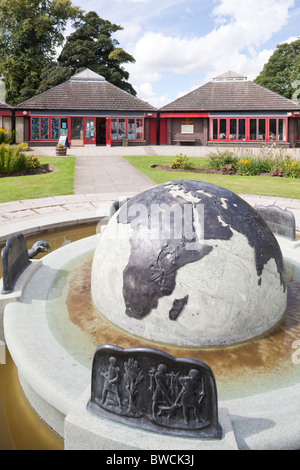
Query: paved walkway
{"points": [[102, 176], [108, 174]]}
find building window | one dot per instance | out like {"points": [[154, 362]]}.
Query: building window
{"points": [[64, 126], [54, 128], [282, 129], [127, 128], [233, 129], [139, 129], [261, 129], [252, 129], [242, 129], [77, 129], [223, 129], [114, 133], [89, 129], [273, 129], [187, 126], [44, 128], [298, 129], [50, 128], [35, 128], [122, 129], [214, 131], [131, 129]]}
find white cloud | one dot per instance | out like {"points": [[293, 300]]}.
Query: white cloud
{"points": [[259, 18], [241, 27], [146, 93], [216, 52], [237, 40], [291, 39], [130, 31]]}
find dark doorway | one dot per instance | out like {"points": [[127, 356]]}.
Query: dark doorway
{"points": [[26, 129], [100, 131]]}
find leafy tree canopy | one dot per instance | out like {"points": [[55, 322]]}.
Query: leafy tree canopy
{"points": [[91, 46], [281, 73], [31, 32]]}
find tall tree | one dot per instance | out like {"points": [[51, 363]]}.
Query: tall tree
{"points": [[91, 46], [30, 32], [52, 74], [281, 73]]}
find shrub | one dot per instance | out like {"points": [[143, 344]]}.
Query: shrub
{"points": [[264, 165], [32, 162], [291, 169], [12, 160], [23, 147], [3, 136], [181, 161], [276, 167], [220, 160], [246, 167], [12, 138], [277, 164]]}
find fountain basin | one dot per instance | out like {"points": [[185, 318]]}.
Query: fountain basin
{"points": [[50, 377], [55, 380]]}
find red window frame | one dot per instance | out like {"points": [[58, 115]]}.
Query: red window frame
{"points": [[68, 129], [88, 138], [119, 138], [223, 121], [49, 127], [298, 129]]}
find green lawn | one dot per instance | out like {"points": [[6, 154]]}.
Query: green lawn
{"points": [[59, 182], [258, 185]]}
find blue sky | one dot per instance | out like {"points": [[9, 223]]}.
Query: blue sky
{"points": [[180, 45]]}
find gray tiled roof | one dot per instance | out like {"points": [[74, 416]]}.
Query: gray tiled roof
{"points": [[88, 75], [231, 96], [86, 95], [4, 105], [230, 75]]}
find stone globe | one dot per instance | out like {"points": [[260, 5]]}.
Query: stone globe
{"points": [[189, 263]]}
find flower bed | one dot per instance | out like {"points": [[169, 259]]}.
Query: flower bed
{"points": [[15, 161], [275, 164]]}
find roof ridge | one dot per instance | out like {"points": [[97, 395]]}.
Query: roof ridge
{"points": [[87, 75], [230, 75]]}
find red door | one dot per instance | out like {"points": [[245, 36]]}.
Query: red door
{"points": [[89, 131], [152, 131], [108, 132]]}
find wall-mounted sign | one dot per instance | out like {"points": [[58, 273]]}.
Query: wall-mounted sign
{"points": [[187, 122]]}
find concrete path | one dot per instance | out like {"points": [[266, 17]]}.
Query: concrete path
{"points": [[108, 174], [166, 150], [102, 176]]}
